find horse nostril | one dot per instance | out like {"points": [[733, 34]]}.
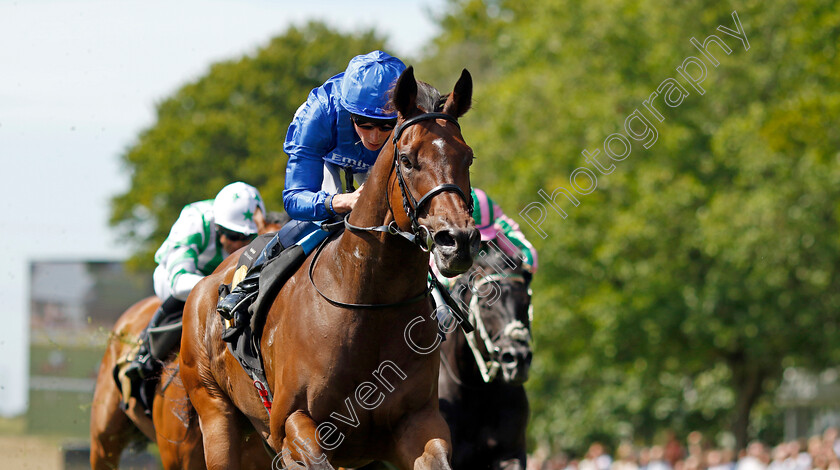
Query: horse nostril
{"points": [[444, 238], [508, 358], [475, 238]]}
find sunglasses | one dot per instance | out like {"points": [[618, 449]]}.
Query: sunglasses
{"points": [[369, 125], [234, 236]]}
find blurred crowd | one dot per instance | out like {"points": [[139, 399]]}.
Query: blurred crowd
{"points": [[819, 452]]}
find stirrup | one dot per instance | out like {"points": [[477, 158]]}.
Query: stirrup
{"points": [[244, 303], [131, 375], [229, 313]]}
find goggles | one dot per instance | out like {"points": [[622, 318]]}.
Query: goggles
{"points": [[368, 124], [234, 236]]}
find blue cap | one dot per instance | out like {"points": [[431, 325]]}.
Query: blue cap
{"points": [[364, 88]]}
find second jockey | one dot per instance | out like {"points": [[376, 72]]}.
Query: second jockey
{"points": [[205, 233]]}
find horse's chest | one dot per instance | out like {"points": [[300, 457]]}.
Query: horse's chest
{"points": [[360, 405]]}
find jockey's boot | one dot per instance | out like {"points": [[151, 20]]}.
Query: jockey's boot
{"points": [[236, 303], [144, 365]]}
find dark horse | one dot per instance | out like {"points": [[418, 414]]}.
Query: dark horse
{"points": [[480, 385], [348, 385], [174, 423]]}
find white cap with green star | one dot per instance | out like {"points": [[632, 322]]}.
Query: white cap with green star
{"points": [[235, 205]]}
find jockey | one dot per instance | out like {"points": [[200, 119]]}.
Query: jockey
{"points": [[205, 233], [340, 128], [494, 225]]}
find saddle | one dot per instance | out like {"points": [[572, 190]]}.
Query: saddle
{"points": [[275, 273], [243, 332]]}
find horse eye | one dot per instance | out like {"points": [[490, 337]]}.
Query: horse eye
{"points": [[405, 161]]}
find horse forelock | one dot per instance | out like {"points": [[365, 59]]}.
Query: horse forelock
{"points": [[428, 97]]}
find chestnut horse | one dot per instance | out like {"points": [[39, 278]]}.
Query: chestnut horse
{"points": [[482, 374], [174, 424], [349, 384]]}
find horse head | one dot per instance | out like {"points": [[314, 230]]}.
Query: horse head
{"points": [[497, 291], [431, 180]]}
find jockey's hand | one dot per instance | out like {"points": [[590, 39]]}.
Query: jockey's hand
{"points": [[345, 202]]}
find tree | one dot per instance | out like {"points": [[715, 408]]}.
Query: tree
{"points": [[228, 125], [676, 292]]}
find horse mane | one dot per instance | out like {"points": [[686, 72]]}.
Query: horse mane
{"points": [[496, 257], [429, 98]]}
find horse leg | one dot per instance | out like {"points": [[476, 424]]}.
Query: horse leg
{"points": [[217, 417], [300, 446], [110, 428], [255, 454], [111, 431], [179, 438], [423, 442], [219, 423]]}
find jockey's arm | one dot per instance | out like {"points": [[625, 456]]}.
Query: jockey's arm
{"points": [[308, 140], [302, 197], [183, 280], [178, 255]]}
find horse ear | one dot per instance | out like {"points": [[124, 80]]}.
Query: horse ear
{"points": [[405, 92], [460, 99]]}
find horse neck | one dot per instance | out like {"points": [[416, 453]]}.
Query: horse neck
{"points": [[379, 259]]}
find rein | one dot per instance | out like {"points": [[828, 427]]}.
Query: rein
{"points": [[337, 303], [424, 241]]}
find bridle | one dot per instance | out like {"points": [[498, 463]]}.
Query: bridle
{"points": [[411, 207], [516, 330], [420, 234]]}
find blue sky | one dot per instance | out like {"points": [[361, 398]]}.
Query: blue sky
{"points": [[79, 79]]}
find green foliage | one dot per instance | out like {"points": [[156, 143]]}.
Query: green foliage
{"points": [[229, 125], [674, 295]]}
